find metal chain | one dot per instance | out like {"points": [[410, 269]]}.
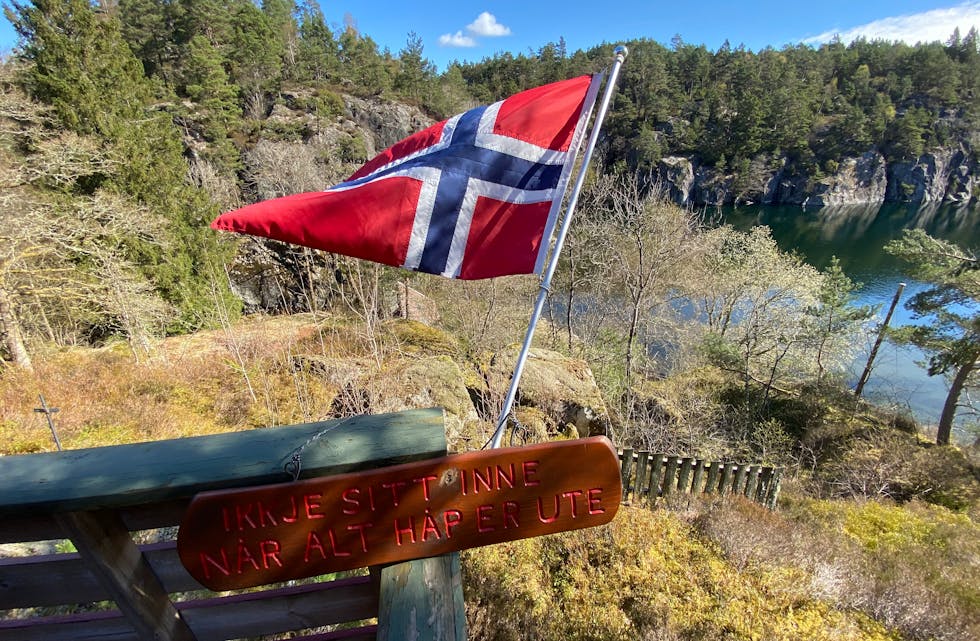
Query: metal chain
{"points": [[293, 464], [519, 430]]}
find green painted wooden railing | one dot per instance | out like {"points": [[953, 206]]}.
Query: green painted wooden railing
{"points": [[97, 497]]}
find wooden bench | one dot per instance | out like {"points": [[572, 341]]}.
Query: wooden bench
{"points": [[116, 589]]}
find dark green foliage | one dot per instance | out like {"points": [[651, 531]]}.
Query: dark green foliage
{"points": [[81, 65], [810, 105], [950, 309], [317, 55], [85, 70]]}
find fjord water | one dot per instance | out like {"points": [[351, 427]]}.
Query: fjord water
{"points": [[857, 234]]}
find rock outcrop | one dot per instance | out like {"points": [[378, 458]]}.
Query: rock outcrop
{"points": [[562, 389], [277, 278], [678, 174], [858, 180], [942, 175], [939, 176], [308, 153]]}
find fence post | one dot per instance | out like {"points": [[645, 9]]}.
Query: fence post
{"points": [[765, 479], [670, 477], [658, 464], [753, 473], [725, 484], [627, 471], [684, 475], [711, 485], [641, 474], [698, 476], [738, 484], [773, 494], [422, 600]]}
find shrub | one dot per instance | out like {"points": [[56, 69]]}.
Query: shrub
{"points": [[647, 575]]}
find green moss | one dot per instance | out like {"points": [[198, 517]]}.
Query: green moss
{"points": [[646, 575], [876, 525], [424, 338]]}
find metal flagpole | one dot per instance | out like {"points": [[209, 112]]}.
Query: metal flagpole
{"points": [[619, 56]]}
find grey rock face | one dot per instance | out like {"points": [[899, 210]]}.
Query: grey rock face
{"points": [[858, 180]]}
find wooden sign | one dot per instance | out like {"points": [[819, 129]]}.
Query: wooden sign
{"points": [[241, 538]]}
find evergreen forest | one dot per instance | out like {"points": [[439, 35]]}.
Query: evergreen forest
{"points": [[126, 126]]}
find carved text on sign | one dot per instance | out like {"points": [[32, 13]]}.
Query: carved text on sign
{"points": [[252, 536]]}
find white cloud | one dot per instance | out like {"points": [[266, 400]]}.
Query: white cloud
{"points": [[928, 26], [456, 40], [486, 25]]}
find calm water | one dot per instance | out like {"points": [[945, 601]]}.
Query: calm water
{"points": [[857, 235]]}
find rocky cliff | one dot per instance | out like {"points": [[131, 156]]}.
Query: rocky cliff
{"points": [[941, 175], [300, 150]]}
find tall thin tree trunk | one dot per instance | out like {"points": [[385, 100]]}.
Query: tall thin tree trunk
{"points": [[13, 338], [952, 399]]}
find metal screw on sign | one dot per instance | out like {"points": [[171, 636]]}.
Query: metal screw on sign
{"points": [[48, 411]]}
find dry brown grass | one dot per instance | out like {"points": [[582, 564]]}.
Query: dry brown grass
{"points": [[198, 384], [263, 371], [913, 567]]}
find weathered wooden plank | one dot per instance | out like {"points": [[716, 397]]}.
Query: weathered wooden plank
{"points": [[247, 615], [17, 528], [684, 475], [753, 479], [696, 486], [90, 626], [626, 472], [29, 527], [106, 547], [270, 612], [642, 474], [711, 485], [739, 483], [655, 473], [763, 486], [60, 579], [422, 600], [772, 495], [364, 633], [110, 477], [725, 483], [670, 477]]}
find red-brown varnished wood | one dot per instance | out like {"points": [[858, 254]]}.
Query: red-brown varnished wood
{"points": [[240, 538]]}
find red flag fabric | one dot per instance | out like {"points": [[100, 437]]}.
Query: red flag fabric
{"points": [[474, 196]]}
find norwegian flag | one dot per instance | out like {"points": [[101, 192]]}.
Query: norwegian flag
{"points": [[475, 196]]}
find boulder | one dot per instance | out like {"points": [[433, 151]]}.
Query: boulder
{"points": [[427, 381], [563, 388], [274, 277]]}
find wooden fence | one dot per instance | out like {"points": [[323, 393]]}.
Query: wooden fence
{"points": [[97, 497], [649, 476]]}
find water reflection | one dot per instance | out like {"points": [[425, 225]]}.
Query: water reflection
{"points": [[857, 234]]}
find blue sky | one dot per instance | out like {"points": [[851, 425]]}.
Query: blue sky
{"points": [[471, 31]]}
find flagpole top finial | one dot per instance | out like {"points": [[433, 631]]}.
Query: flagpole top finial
{"points": [[621, 52]]}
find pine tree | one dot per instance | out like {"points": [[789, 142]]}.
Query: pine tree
{"points": [[950, 308], [317, 56], [415, 72], [80, 65]]}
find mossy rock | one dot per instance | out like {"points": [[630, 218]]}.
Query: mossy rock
{"points": [[563, 388], [426, 381], [415, 336]]}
